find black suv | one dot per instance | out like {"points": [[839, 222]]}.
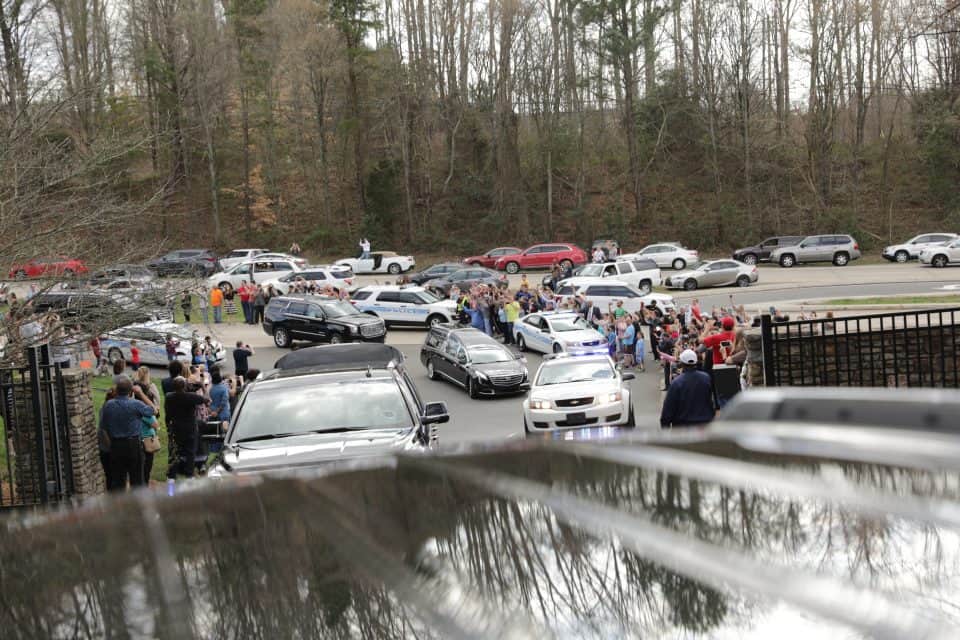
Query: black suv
{"points": [[465, 278], [319, 319], [473, 360], [761, 252], [370, 407], [186, 262]]}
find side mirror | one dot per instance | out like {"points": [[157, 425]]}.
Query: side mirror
{"points": [[435, 413], [629, 375], [462, 359]]}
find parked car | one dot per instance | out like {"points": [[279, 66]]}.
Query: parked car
{"points": [[667, 255], [151, 338], [380, 262], [466, 278], [605, 292], [337, 277], [433, 272], [471, 359], [911, 249], [130, 272], [404, 305], [543, 256], [838, 249], [297, 260], [489, 259], [237, 256], [370, 407], [558, 332], [258, 271], [941, 255], [570, 392], [761, 251], [642, 273], [319, 319], [47, 267], [716, 273], [185, 262]]}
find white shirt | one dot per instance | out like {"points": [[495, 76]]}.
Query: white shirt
{"points": [[365, 245]]}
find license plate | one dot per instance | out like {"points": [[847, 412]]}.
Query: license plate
{"points": [[576, 418]]}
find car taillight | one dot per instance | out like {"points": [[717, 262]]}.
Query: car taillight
{"points": [[856, 246]]}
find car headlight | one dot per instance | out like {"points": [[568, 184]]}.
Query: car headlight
{"points": [[539, 404], [607, 398], [482, 377], [353, 330]]}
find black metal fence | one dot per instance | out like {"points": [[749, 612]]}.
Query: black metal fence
{"points": [[35, 461], [904, 349]]}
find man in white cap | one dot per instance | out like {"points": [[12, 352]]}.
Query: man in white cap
{"points": [[689, 401]]}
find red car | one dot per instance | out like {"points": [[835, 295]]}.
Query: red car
{"points": [[39, 267], [543, 256], [489, 259]]}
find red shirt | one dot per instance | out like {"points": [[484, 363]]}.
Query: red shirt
{"points": [[134, 356], [714, 343]]}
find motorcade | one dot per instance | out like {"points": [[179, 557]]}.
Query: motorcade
{"points": [[466, 278], [489, 259], [133, 273], [404, 305], [606, 292], [715, 273], [380, 262], [558, 332], [237, 256], [667, 255], [47, 267], [838, 249], [310, 318], [642, 273], [370, 407], [543, 256], [761, 251], [912, 248], [339, 278], [471, 359], [185, 262], [151, 339], [433, 272], [941, 255], [256, 271], [569, 392]]}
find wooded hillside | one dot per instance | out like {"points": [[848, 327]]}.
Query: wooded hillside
{"points": [[454, 125]]}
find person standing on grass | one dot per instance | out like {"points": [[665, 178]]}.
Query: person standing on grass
{"points": [[244, 293], [181, 414], [134, 355], [123, 421], [259, 304], [186, 305], [203, 302], [216, 302]]}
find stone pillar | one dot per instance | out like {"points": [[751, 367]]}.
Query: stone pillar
{"points": [[754, 342], [88, 478]]}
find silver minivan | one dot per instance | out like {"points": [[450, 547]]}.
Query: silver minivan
{"points": [[838, 249]]}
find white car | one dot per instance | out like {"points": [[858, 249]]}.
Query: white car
{"points": [[605, 292], [667, 255], [570, 392], [716, 273], [151, 340], [403, 305], [337, 277], [300, 262], [380, 262], [558, 332], [642, 273], [941, 255], [237, 256], [258, 271], [912, 248]]}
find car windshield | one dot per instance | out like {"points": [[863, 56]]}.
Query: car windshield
{"points": [[356, 404], [568, 323], [338, 309], [489, 355], [573, 371], [426, 297], [592, 270]]}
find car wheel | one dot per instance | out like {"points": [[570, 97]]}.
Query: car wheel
{"points": [[513, 267], [472, 389], [646, 287], [901, 256], [226, 287], [631, 418], [690, 284], [431, 371], [557, 347], [435, 319], [281, 338], [841, 259], [679, 263], [21, 274], [787, 261], [749, 258], [394, 269], [939, 261], [521, 343], [114, 355], [335, 338], [743, 281]]}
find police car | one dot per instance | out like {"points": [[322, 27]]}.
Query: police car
{"points": [[151, 338], [558, 332], [400, 305]]}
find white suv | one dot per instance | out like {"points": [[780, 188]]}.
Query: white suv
{"points": [[258, 271], [642, 273], [605, 292], [237, 256], [337, 277], [667, 255], [912, 248], [403, 305]]}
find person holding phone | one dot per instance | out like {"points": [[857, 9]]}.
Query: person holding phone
{"points": [[722, 342]]}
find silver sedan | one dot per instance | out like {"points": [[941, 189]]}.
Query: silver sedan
{"points": [[716, 273]]}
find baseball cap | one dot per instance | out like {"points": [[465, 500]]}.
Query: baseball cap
{"points": [[728, 323], [687, 356]]}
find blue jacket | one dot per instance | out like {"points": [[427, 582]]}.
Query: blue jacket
{"points": [[220, 401], [689, 400], [122, 417]]}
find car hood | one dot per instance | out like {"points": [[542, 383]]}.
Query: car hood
{"points": [[510, 368], [575, 389], [357, 319], [315, 449]]}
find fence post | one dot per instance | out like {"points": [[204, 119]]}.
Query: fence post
{"points": [[766, 341], [33, 357]]}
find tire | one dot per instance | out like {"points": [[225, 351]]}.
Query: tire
{"points": [[472, 389], [512, 267], [431, 371], [631, 418], [743, 281], [939, 261], [646, 287], [281, 338], [750, 258], [901, 256], [679, 264], [434, 320], [690, 284], [226, 287], [114, 355], [787, 260], [394, 269], [841, 259], [557, 348], [336, 338], [521, 343]]}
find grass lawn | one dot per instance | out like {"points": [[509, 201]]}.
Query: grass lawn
{"points": [[196, 316], [950, 299]]}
